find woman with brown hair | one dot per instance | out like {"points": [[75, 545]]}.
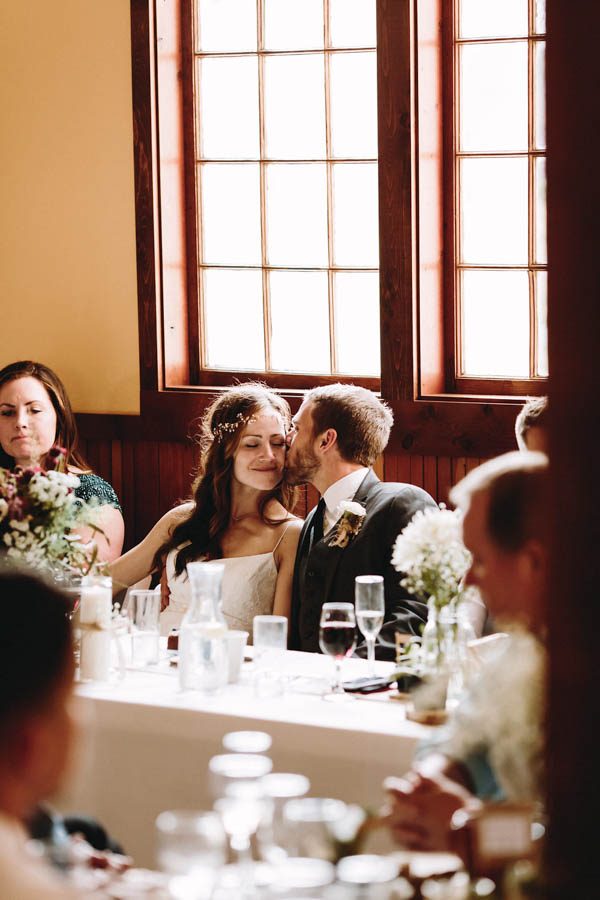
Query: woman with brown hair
{"points": [[35, 418], [239, 514]]}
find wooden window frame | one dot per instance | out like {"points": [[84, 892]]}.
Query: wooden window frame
{"points": [[429, 418], [457, 383]]}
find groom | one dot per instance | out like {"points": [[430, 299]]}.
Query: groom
{"points": [[336, 436]]}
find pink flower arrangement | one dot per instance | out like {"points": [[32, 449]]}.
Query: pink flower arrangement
{"points": [[40, 516]]}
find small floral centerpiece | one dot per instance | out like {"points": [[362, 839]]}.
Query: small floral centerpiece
{"points": [[431, 554], [351, 518], [39, 519]]}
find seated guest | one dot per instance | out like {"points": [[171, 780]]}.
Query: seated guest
{"points": [[336, 437], [36, 730], [492, 748], [240, 514], [35, 416], [531, 425]]}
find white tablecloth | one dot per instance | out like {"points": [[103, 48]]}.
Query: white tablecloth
{"points": [[149, 744]]}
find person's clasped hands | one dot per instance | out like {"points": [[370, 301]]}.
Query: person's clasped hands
{"points": [[420, 806]]}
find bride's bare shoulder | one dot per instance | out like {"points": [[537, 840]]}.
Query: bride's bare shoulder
{"points": [[173, 518]]}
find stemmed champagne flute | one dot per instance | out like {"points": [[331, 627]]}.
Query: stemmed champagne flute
{"points": [[337, 637], [369, 604]]}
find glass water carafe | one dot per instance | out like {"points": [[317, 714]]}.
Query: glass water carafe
{"points": [[203, 658]]}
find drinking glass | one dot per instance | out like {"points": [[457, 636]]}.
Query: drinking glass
{"points": [[369, 604], [191, 844], [280, 788], [311, 824], [270, 642], [337, 637], [143, 610], [230, 768]]}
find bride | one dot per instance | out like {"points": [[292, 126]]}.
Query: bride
{"points": [[239, 514]]}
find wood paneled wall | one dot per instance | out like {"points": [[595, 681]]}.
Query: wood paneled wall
{"points": [[151, 476]]}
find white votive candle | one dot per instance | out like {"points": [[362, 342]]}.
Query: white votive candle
{"points": [[94, 616]]}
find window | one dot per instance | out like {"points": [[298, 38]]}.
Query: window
{"points": [[498, 206], [284, 188], [203, 279]]}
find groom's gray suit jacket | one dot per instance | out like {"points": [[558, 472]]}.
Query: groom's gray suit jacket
{"points": [[323, 573]]}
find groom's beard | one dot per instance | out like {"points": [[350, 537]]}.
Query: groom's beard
{"points": [[303, 468]]}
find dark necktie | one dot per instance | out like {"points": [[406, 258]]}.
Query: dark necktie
{"points": [[317, 522]]}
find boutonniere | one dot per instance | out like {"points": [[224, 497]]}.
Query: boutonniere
{"points": [[352, 516]]}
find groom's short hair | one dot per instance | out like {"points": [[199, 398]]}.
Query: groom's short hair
{"points": [[361, 419]]}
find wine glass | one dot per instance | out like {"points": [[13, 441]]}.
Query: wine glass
{"points": [[337, 637], [369, 604], [242, 809]]}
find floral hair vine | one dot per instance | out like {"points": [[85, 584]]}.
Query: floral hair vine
{"points": [[219, 431]]}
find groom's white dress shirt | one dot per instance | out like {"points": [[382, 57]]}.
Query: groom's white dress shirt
{"points": [[336, 493]]}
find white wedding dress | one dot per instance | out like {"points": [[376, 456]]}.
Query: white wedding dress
{"points": [[248, 590]]}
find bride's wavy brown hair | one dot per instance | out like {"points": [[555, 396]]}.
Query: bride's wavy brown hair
{"points": [[221, 430]]}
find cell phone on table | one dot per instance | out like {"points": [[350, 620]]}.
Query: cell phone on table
{"points": [[368, 684]]}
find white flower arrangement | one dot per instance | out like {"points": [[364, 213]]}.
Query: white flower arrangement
{"points": [[39, 518], [432, 556], [350, 520]]}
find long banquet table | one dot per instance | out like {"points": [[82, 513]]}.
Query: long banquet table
{"points": [[148, 744]]}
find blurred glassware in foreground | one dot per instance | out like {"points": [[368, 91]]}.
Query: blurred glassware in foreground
{"points": [[230, 768], [310, 826], [191, 844], [247, 741], [280, 787]]}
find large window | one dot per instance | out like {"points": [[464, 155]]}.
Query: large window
{"points": [[276, 141], [497, 142], [285, 160]]}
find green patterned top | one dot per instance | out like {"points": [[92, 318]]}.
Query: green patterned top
{"points": [[92, 486]]}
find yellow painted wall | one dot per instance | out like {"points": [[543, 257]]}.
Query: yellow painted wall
{"points": [[67, 218]]}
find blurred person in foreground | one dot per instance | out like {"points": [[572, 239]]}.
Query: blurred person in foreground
{"points": [[36, 726], [531, 425], [492, 748]]}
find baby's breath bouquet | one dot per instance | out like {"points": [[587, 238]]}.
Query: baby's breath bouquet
{"points": [[432, 556], [434, 560], [39, 519]]}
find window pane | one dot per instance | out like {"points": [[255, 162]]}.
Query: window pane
{"points": [[230, 196], [495, 313], [352, 23], [493, 211], [353, 104], [356, 299], [234, 296], [293, 24], [541, 250], [542, 322], [226, 25], [540, 16], [493, 97], [295, 107], [540, 95], [300, 322], [296, 214], [228, 113], [355, 215], [493, 18]]}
